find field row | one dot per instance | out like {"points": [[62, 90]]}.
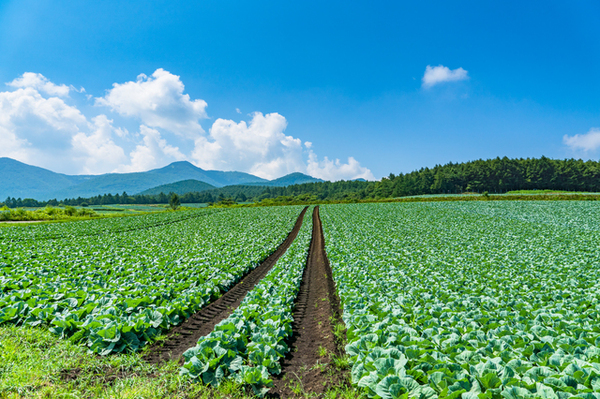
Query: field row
{"points": [[118, 290], [249, 344], [469, 300], [85, 228]]}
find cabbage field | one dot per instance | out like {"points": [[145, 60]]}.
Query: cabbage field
{"points": [[448, 300], [249, 344], [115, 284], [469, 300]]}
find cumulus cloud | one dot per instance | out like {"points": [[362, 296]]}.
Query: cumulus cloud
{"points": [[39, 82], [259, 147], [589, 141], [157, 101], [48, 132], [34, 127], [40, 125], [262, 148], [12, 146], [440, 74], [97, 151], [153, 152], [336, 170]]}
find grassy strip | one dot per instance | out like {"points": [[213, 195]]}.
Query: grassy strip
{"points": [[67, 214], [34, 363], [47, 213]]}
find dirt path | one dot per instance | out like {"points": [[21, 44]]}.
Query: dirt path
{"points": [[186, 335], [307, 369]]}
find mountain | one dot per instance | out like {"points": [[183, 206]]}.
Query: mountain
{"points": [[25, 181], [137, 182], [191, 186], [293, 178], [180, 188], [20, 180]]}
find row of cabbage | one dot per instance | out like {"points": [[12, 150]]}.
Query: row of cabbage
{"points": [[249, 344], [574, 214], [448, 300], [117, 291], [50, 231]]}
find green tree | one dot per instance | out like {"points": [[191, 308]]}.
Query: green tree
{"points": [[174, 202]]}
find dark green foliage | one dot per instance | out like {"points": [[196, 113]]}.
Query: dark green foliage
{"points": [[180, 187], [497, 175], [174, 202], [288, 180], [225, 201]]}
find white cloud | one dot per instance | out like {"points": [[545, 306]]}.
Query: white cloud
{"points": [[35, 128], [440, 74], [39, 82], [259, 147], [12, 146], [238, 111], [336, 170], [157, 101], [589, 141], [39, 125], [152, 153], [97, 152], [47, 132], [262, 148]]}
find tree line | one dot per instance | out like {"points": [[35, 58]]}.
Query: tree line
{"points": [[497, 175]]}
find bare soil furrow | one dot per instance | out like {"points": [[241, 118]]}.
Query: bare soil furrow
{"points": [[307, 370], [186, 335]]}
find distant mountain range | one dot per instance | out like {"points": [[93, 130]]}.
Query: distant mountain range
{"points": [[180, 188], [290, 180], [20, 180]]}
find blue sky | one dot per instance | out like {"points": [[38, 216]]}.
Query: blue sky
{"points": [[276, 87]]}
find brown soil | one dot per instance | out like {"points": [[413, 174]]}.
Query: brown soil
{"points": [[186, 335], [307, 370]]}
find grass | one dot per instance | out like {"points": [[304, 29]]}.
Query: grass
{"points": [[41, 215], [47, 213], [322, 351], [34, 363]]}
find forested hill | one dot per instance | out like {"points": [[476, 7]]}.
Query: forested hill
{"points": [[493, 175]]}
